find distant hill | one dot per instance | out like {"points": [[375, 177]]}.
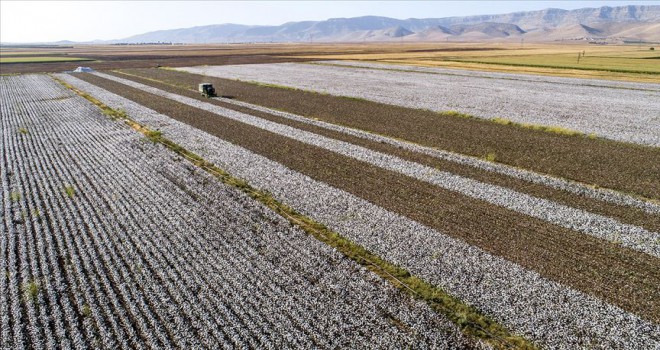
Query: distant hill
{"points": [[604, 23]]}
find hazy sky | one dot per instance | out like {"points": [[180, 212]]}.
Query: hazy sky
{"points": [[42, 21]]}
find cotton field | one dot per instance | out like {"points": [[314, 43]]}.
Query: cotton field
{"points": [[138, 213]]}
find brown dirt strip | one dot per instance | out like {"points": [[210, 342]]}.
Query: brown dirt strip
{"points": [[628, 215], [621, 276], [142, 62], [616, 165]]}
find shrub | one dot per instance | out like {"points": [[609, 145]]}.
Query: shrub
{"points": [[86, 310], [31, 291], [70, 191], [491, 157]]}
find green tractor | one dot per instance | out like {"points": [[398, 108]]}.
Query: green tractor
{"points": [[207, 89]]}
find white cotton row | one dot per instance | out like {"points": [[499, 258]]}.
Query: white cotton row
{"points": [[622, 114], [530, 176]]}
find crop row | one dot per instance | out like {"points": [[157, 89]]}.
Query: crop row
{"points": [[110, 241], [546, 311], [607, 164], [584, 108], [613, 84], [613, 197], [596, 225]]}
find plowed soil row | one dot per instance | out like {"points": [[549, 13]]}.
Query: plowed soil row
{"points": [[624, 214], [621, 166], [618, 275], [143, 62]]}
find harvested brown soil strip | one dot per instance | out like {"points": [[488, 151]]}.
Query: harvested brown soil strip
{"points": [[628, 215], [621, 276], [621, 166], [142, 62]]}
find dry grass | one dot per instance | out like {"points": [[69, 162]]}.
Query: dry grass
{"points": [[612, 62]]}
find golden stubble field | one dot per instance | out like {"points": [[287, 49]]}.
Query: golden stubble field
{"points": [[612, 62], [631, 62]]}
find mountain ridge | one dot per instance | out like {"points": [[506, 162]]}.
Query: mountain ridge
{"points": [[602, 24], [556, 23]]}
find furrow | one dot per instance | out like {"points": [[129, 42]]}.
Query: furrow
{"points": [[535, 102], [593, 161]]}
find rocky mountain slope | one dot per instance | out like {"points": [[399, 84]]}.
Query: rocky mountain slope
{"points": [[604, 23]]}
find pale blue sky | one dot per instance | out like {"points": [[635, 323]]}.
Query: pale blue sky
{"points": [[37, 21]]}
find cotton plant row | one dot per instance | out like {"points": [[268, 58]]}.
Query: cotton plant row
{"points": [[497, 75], [575, 219], [122, 244], [619, 114], [518, 298], [530, 176]]}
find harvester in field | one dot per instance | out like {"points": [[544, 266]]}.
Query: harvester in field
{"points": [[207, 89]]}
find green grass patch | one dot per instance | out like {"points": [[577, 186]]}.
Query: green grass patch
{"points": [[42, 59], [31, 291], [454, 114], [272, 85], [69, 191], [491, 157], [546, 128], [86, 311], [15, 196]]}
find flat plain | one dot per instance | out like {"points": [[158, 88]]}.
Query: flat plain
{"points": [[326, 204]]}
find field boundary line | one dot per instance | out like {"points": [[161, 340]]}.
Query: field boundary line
{"points": [[469, 320]]}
